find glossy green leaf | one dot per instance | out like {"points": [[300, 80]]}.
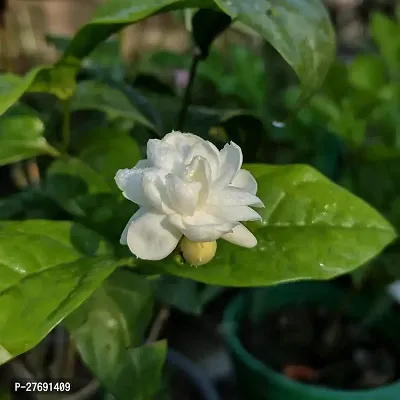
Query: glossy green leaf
{"points": [[206, 26], [113, 15], [310, 229], [110, 323], [58, 80], [185, 294], [21, 137], [48, 269], [99, 96], [300, 31], [110, 151]]}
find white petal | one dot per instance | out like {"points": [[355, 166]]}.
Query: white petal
{"points": [[245, 180], [232, 196], [182, 142], [183, 196], [124, 235], [241, 236], [199, 171], [234, 213], [202, 227], [231, 159], [208, 151], [155, 190], [152, 237], [163, 155], [130, 182], [143, 164]]}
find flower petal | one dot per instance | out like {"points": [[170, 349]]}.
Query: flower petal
{"points": [[152, 237], [208, 151], [241, 236], [232, 196], [183, 196], [182, 142], [130, 182], [199, 171], [231, 159], [233, 213], [201, 227], [155, 190], [124, 236], [163, 155], [245, 180]]}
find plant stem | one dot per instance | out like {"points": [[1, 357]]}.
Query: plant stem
{"points": [[188, 91], [66, 129], [158, 323]]}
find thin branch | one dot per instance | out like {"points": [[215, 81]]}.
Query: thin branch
{"points": [[158, 324], [188, 91]]}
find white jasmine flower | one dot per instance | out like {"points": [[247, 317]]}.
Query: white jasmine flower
{"points": [[187, 187]]}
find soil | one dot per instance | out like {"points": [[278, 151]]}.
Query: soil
{"points": [[314, 345]]}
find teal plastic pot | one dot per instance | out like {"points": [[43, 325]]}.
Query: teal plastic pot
{"points": [[257, 381]]}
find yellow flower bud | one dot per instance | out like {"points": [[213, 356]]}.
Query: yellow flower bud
{"points": [[198, 253]]}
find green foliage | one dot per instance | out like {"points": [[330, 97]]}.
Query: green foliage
{"points": [[108, 329], [21, 137], [56, 266], [310, 228], [59, 239]]}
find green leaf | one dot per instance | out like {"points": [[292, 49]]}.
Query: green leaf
{"points": [[206, 26], [110, 151], [106, 56], [21, 137], [300, 31], [386, 34], [69, 181], [112, 321], [48, 269], [84, 193], [367, 72], [185, 294], [58, 80], [310, 229], [113, 15], [99, 96], [140, 375]]}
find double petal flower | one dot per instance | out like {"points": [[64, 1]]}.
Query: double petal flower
{"points": [[186, 186]]}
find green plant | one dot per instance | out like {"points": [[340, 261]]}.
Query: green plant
{"points": [[59, 239]]}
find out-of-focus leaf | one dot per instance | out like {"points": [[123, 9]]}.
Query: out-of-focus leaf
{"points": [[367, 72], [386, 34], [100, 96], [185, 294], [109, 151], [21, 137], [70, 180], [58, 80]]}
